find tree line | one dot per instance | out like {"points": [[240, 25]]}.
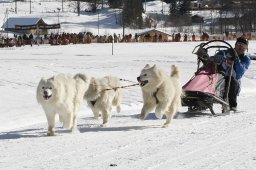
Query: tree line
{"points": [[233, 15]]}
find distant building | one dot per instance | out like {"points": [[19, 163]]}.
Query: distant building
{"points": [[195, 5], [28, 25], [153, 35], [196, 19]]}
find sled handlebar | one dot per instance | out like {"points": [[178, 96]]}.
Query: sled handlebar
{"points": [[202, 45]]}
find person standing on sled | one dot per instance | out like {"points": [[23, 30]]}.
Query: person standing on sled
{"points": [[240, 62]]}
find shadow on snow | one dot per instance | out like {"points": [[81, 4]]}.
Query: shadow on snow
{"points": [[95, 126]]}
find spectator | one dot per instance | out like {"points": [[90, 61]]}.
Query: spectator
{"points": [[31, 39]]}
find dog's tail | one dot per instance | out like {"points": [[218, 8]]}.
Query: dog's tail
{"points": [[117, 100], [175, 72], [81, 76]]}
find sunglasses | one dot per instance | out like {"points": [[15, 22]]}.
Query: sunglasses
{"points": [[244, 46]]}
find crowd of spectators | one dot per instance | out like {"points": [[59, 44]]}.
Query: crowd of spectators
{"points": [[88, 37]]}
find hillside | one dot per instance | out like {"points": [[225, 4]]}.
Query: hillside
{"points": [[105, 22]]}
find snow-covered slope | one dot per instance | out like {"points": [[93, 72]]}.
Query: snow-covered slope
{"points": [[51, 12]]}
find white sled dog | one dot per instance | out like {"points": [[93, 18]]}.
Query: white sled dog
{"points": [[101, 95], [160, 92], [61, 94]]}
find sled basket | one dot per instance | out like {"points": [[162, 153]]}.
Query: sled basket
{"points": [[207, 85]]}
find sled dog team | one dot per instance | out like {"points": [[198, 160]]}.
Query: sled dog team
{"points": [[63, 95]]}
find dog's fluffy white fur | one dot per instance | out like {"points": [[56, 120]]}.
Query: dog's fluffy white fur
{"points": [[61, 94], [160, 92], [101, 95]]}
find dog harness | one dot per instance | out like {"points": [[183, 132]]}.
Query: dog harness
{"points": [[93, 102]]}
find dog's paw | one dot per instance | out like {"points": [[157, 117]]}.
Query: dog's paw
{"points": [[75, 131], [50, 133], [165, 125], [141, 117], [159, 115], [104, 125]]}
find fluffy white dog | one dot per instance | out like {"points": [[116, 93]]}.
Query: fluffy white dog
{"points": [[102, 94], [160, 92], [61, 94]]}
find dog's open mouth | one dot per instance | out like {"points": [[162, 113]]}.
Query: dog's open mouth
{"points": [[47, 97], [143, 83]]}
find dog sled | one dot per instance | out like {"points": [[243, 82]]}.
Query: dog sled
{"points": [[207, 86]]}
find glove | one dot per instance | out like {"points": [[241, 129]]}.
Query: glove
{"points": [[233, 54], [218, 59]]}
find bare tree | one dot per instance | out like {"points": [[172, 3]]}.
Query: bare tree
{"points": [[77, 6]]}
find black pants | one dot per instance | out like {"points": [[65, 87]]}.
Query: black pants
{"points": [[233, 90]]}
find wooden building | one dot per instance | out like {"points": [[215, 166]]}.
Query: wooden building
{"points": [[153, 35], [28, 25]]}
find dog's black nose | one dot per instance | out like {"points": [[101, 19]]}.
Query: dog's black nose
{"points": [[138, 78], [45, 93]]}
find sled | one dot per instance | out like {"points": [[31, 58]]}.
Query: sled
{"points": [[207, 86]]}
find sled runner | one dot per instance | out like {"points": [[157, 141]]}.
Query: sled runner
{"points": [[207, 86]]}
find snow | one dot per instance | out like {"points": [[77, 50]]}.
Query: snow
{"points": [[20, 21], [193, 141], [51, 12]]}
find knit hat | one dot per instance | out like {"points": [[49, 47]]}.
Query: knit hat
{"points": [[242, 41]]}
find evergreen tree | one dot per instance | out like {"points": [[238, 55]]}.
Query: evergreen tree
{"points": [[179, 7], [184, 7], [174, 10], [115, 3], [132, 13], [167, 1]]}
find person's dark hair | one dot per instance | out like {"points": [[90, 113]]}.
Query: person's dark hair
{"points": [[242, 40]]}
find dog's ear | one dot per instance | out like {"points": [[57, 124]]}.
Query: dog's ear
{"points": [[43, 79], [52, 78], [94, 84], [154, 67], [147, 66]]}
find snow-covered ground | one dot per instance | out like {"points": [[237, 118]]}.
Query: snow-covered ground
{"points": [[191, 142]]}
